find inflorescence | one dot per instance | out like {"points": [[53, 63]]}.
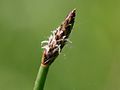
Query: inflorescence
{"points": [[58, 39]]}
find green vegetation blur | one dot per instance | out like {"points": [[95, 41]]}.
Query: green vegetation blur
{"points": [[91, 62]]}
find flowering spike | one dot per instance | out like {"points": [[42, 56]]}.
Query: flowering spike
{"points": [[58, 39]]}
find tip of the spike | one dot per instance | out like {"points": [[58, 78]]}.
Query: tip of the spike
{"points": [[74, 10], [73, 13]]}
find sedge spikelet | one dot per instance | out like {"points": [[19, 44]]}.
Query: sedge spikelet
{"points": [[53, 46]]}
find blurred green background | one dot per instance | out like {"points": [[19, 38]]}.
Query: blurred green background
{"points": [[91, 62]]}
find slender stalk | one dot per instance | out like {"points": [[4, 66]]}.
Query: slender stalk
{"points": [[41, 77]]}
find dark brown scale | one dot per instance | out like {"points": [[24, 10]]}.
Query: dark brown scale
{"points": [[56, 37]]}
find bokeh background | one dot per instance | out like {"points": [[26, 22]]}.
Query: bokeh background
{"points": [[91, 62]]}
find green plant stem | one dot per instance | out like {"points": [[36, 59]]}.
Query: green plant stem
{"points": [[41, 77]]}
